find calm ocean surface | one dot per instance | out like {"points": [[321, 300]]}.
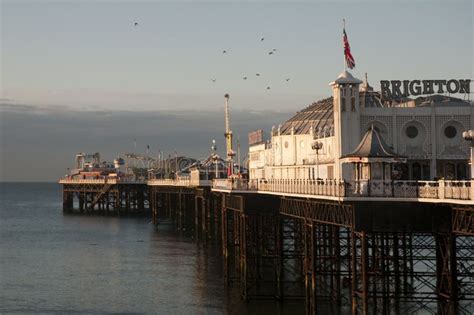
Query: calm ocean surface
{"points": [[52, 263]]}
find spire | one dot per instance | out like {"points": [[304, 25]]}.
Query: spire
{"points": [[365, 87]]}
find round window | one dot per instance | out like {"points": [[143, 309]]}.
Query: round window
{"points": [[286, 144], [411, 132], [450, 132]]}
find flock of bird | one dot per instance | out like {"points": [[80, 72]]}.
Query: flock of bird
{"points": [[272, 52]]}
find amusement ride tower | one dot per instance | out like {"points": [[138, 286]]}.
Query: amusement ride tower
{"points": [[228, 139]]}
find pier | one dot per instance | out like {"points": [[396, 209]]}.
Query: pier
{"points": [[357, 204], [105, 196], [368, 246]]}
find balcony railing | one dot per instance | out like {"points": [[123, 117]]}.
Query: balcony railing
{"points": [[454, 190]]}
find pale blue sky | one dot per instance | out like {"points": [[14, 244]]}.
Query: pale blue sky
{"points": [[88, 54], [76, 74]]}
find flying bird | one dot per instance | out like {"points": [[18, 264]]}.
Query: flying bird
{"points": [[268, 88], [287, 79], [224, 51], [257, 74], [270, 53], [262, 39], [245, 78], [213, 80], [136, 23]]}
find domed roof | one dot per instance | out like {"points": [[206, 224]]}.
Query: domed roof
{"points": [[319, 115]]}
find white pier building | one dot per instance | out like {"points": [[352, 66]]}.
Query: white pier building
{"points": [[424, 136]]}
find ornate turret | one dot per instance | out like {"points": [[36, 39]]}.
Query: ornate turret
{"points": [[365, 87], [346, 107], [372, 160]]}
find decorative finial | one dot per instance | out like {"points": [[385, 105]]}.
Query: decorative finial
{"points": [[227, 96], [366, 81]]}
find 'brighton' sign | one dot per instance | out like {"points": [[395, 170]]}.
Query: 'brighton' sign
{"points": [[397, 88]]}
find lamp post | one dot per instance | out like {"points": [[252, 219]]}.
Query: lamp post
{"points": [[469, 136], [317, 145], [214, 156], [176, 164]]}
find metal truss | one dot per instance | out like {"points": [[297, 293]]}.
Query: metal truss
{"points": [[463, 220], [320, 211]]}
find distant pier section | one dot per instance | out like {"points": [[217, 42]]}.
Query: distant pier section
{"points": [[95, 186], [123, 186]]}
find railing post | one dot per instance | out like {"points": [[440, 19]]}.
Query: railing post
{"points": [[441, 189], [471, 190]]}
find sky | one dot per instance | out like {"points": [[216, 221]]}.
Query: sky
{"points": [[66, 67]]}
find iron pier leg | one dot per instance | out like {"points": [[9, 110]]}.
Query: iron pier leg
{"points": [[204, 218], [354, 272], [446, 278], [196, 217], [365, 276], [243, 255], [278, 260]]}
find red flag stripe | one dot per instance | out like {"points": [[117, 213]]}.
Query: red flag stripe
{"points": [[350, 62]]}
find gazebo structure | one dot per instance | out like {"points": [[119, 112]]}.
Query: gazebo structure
{"points": [[373, 160]]}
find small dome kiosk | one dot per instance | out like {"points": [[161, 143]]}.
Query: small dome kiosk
{"points": [[372, 160]]}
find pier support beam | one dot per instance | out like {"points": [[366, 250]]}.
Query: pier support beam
{"points": [[446, 282]]}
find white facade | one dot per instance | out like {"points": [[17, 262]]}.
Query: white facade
{"points": [[426, 130]]}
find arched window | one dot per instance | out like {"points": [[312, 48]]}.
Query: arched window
{"points": [[461, 171], [449, 171], [343, 104], [416, 171]]}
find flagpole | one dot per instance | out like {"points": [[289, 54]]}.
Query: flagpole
{"points": [[343, 52]]}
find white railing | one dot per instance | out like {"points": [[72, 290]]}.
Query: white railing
{"points": [[451, 190], [101, 181], [231, 184], [455, 189], [170, 182], [184, 182], [325, 187], [88, 181]]}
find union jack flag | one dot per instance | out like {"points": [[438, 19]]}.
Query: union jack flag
{"points": [[347, 52]]}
